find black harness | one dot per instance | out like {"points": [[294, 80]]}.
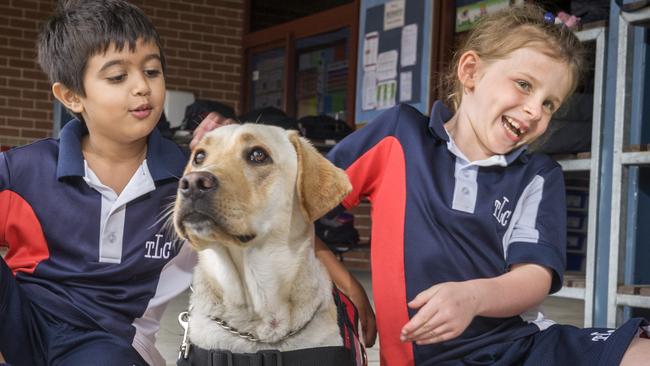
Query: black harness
{"points": [[321, 356], [351, 353]]}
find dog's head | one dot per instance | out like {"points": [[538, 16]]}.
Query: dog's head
{"points": [[245, 182]]}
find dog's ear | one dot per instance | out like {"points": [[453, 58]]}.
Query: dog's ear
{"points": [[320, 185]]}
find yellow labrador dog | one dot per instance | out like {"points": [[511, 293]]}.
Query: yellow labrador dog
{"points": [[246, 203]]}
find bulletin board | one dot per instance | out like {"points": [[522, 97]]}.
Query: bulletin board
{"points": [[394, 57]]}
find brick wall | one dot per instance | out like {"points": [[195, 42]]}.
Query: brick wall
{"points": [[201, 38]]}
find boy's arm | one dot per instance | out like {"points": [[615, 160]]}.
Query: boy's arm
{"points": [[446, 310], [346, 282]]}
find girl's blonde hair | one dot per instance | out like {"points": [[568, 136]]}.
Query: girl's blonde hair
{"points": [[497, 35]]}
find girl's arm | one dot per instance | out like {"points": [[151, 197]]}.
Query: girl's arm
{"points": [[446, 310]]}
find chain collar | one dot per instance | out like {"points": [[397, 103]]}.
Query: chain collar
{"points": [[250, 336]]}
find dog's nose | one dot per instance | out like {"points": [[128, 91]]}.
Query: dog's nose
{"points": [[197, 183]]}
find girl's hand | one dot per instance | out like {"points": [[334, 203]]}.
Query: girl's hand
{"points": [[445, 311], [209, 123]]}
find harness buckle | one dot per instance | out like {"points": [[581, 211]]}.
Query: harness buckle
{"points": [[183, 320], [271, 357]]}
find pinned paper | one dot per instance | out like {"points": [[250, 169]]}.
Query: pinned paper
{"points": [[387, 65], [386, 92], [394, 14], [409, 45], [369, 90], [370, 46], [405, 86]]}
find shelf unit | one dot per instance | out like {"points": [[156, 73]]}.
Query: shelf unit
{"points": [[592, 164], [622, 161]]}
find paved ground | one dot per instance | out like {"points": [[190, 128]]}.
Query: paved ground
{"points": [[565, 311]]}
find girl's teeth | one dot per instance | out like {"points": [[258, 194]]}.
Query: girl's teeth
{"points": [[511, 127]]}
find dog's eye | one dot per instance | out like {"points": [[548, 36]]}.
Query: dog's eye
{"points": [[258, 156], [199, 157]]}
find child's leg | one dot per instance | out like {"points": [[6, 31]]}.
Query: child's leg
{"points": [[70, 346], [638, 353], [20, 327]]}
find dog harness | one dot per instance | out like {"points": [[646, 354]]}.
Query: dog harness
{"points": [[351, 353]]}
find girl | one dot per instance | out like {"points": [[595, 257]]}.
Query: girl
{"points": [[468, 230]]}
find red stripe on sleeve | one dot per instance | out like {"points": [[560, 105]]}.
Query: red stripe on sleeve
{"points": [[22, 232], [380, 174]]}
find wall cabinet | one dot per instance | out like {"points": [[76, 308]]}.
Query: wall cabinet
{"points": [[304, 67]]}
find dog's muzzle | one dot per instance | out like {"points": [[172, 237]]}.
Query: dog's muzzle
{"points": [[197, 185]]}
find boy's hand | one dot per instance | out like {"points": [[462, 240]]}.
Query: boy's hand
{"points": [[445, 311], [358, 295], [209, 123], [350, 286]]}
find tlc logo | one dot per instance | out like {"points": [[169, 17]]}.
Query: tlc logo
{"points": [[500, 213], [156, 250]]}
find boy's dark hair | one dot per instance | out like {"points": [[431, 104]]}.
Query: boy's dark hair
{"points": [[79, 29]]}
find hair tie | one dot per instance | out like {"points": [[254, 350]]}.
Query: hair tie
{"points": [[568, 20], [549, 17]]}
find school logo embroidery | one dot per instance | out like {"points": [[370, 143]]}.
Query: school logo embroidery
{"points": [[500, 213], [158, 250], [596, 336]]}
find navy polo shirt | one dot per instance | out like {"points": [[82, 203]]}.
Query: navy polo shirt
{"points": [[436, 217], [90, 257]]}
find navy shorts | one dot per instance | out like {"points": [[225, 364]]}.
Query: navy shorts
{"points": [[558, 345], [30, 336]]}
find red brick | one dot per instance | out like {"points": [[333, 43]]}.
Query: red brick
{"points": [[34, 74], [205, 10], [23, 23], [199, 65], [222, 67], [14, 122], [227, 50], [8, 32], [39, 16], [10, 52], [167, 14], [35, 94], [20, 103], [43, 125], [21, 43], [166, 33], [26, 4], [214, 76], [22, 83], [33, 114], [19, 63], [34, 134], [191, 18], [10, 112], [7, 132]]}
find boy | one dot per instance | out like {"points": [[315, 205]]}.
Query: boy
{"points": [[90, 265]]}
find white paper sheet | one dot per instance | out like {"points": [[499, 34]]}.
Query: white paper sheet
{"points": [[387, 65], [394, 14], [369, 90], [370, 46], [405, 86], [409, 45], [386, 92]]}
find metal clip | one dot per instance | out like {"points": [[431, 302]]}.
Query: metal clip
{"points": [[183, 320]]}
